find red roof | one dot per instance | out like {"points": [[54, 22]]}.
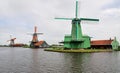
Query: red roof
{"points": [[101, 42], [18, 45], [39, 43]]}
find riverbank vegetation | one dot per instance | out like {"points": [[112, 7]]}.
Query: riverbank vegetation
{"points": [[79, 50], [60, 48]]}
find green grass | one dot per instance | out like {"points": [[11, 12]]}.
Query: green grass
{"points": [[79, 50]]}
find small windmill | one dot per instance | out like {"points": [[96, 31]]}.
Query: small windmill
{"points": [[35, 38], [76, 40], [11, 41]]}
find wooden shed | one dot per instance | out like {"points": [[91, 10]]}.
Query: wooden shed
{"points": [[102, 44], [105, 44]]}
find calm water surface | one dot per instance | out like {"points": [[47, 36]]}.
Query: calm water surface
{"points": [[26, 60]]}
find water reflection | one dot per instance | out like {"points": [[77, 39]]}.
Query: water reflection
{"points": [[75, 62], [25, 60], [35, 61], [92, 62]]}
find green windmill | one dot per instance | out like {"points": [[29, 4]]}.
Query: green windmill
{"points": [[76, 40]]}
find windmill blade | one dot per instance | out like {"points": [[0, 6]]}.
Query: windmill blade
{"points": [[36, 33], [14, 38], [89, 19], [76, 11], [64, 18], [91, 37], [39, 33], [8, 40]]}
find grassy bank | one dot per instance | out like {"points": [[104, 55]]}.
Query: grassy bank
{"points": [[79, 50]]}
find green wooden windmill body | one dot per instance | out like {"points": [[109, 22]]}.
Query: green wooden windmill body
{"points": [[76, 40]]}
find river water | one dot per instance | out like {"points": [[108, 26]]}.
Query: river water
{"points": [[26, 60]]}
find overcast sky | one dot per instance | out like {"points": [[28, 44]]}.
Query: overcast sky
{"points": [[18, 17]]}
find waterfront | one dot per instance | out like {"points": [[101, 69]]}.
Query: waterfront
{"points": [[26, 60]]}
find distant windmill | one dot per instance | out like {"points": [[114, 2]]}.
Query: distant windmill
{"points": [[76, 40], [11, 41], [35, 38]]}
